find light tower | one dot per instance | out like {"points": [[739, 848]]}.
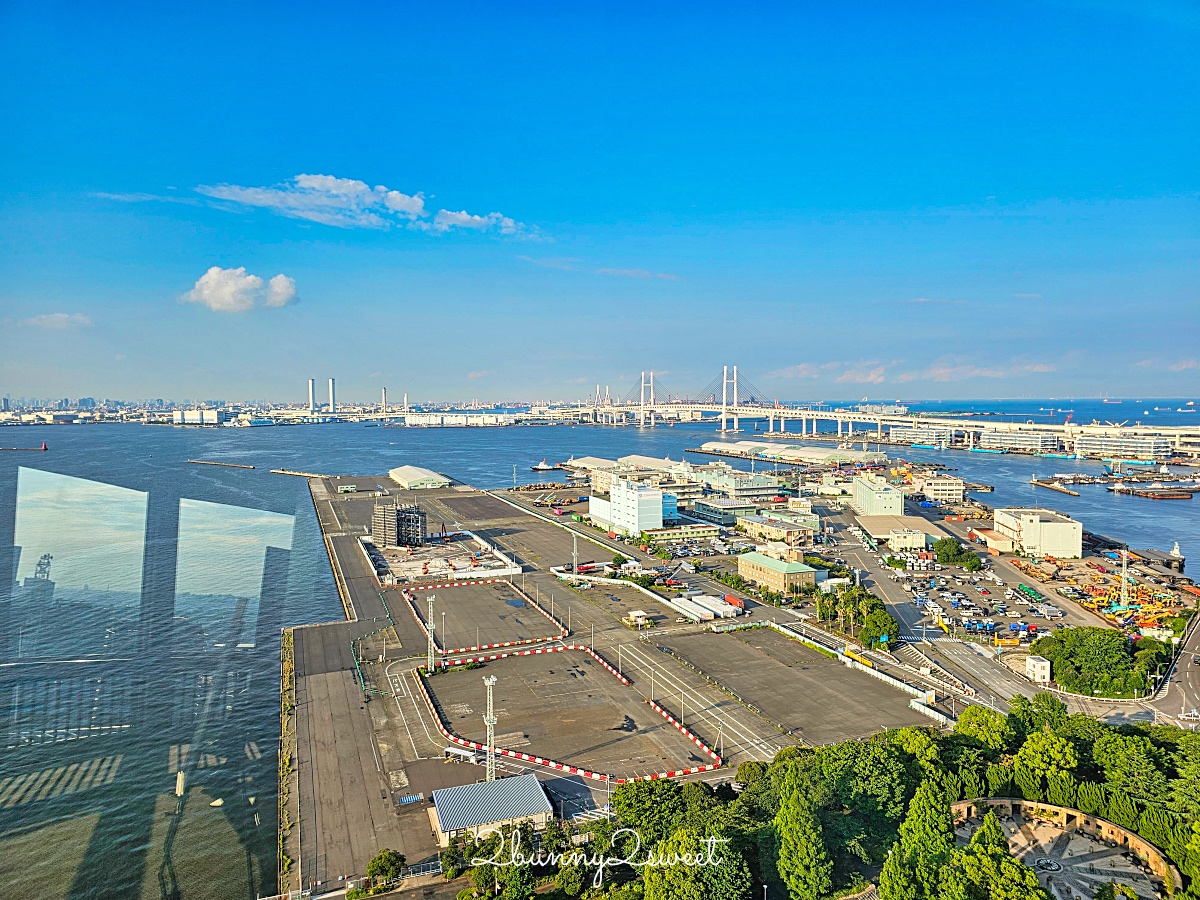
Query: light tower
{"points": [[429, 626], [383, 401], [574, 553], [490, 721]]}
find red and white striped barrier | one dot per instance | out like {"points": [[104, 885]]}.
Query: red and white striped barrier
{"points": [[475, 745], [686, 733], [554, 764], [412, 607], [454, 584]]}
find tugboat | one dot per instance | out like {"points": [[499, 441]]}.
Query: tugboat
{"points": [[543, 466]]}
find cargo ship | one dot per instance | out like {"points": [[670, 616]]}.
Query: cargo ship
{"points": [[986, 450], [544, 466]]}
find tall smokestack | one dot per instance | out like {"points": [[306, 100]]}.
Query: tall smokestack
{"points": [[332, 399], [312, 400], [383, 401]]}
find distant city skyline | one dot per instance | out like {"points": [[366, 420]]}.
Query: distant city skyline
{"points": [[896, 201]]}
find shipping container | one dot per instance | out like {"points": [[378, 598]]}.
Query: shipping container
{"points": [[735, 601], [576, 517], [717, 606]]}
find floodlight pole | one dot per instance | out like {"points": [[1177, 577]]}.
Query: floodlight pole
{"points": [[431, 649], [490, 721]]}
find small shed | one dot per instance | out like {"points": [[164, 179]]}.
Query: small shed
{"points": [[477, 809], [1037, 669]]}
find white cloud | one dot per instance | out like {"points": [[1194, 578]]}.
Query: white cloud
{"points": [[236, 290], [349, 203], [281, 290], [804, 370], [566, 263], [638, 273], [952, 369], [868, 372], [1184, 364], [59, 321], [475, 376]]}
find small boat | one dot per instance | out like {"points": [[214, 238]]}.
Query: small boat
{"points": [[217, 802], [543, 466]]}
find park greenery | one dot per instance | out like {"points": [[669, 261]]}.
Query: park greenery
{"points": [[949, 552], [1102, 662], [854, 611], [819, 823]]}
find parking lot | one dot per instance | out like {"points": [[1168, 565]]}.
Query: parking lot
{"points": [[566, 707], [475, 615], [815, 697]]}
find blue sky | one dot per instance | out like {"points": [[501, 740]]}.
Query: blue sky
{"points": [[523, 200]]}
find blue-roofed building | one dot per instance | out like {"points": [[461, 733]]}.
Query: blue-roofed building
{"points": [[475, 809]]}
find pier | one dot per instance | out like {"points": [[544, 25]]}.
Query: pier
{"points": [[209, 462], [1053, 486]]}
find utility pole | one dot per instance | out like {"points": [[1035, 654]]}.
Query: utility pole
{"points": [[429, 626], [574, 553], [490, 721]]}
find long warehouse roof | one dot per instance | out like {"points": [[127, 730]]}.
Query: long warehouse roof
{"points": [[471, 805]]}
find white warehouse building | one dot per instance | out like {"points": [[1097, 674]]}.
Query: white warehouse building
{"points": [[875, 497], [1041, 532], [630, 507]]}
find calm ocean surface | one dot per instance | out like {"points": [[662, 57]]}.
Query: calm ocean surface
{"points": [[153, 645]]}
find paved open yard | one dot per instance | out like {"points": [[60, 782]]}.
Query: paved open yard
{"points": [[817, 698], [566, 707]]}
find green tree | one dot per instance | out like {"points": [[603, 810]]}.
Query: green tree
{"points": [[652, 808], [878, 627], [1131, 764], [722, 874], [1048, 711], [986, 870], [452, 862], [927, 837], [1061, 789], [802, 860], [999, 780], [898, 881], [1044, 753], [387, 864], [1121, 809], [1091, 798], [751, 771], [619, 560], [517, 882], [1185, 786], [985, 726]]}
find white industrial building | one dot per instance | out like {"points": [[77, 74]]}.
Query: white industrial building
{"points": [[197, 417], [413, 478], [1129, 446], [944, 488], [933, 435], [1041, 532], [875, 497], [1025, 441], [630, 507]]}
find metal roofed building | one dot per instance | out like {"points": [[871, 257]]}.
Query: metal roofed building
{"points": [[413, 478], [477, 809], [775, 574]]}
